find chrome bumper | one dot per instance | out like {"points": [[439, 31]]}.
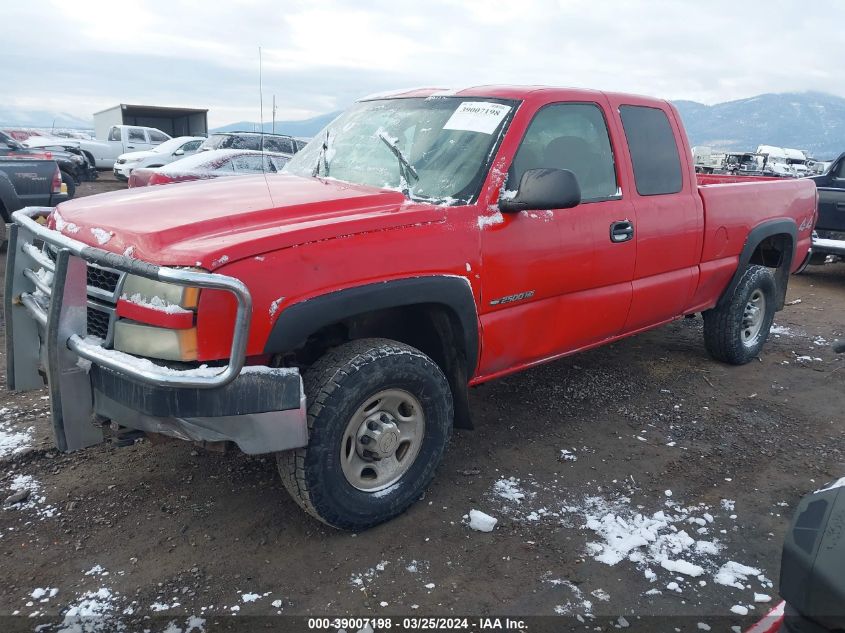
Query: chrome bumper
{"points": [[46, 307], [828, 246]]}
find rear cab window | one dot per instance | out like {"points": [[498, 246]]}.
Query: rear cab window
{"points": [[653, 149], [157, 137], [114, 134], [137, 135]]}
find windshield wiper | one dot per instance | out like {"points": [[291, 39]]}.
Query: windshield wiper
{"points": [[321, 157], [406, 169]]}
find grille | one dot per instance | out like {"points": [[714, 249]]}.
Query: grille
{"points": [[98, 323], [102, 279], [96, 277]]}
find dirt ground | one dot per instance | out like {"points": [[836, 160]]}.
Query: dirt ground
{"points": [[569, 457]]}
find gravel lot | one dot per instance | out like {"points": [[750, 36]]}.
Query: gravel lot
{"points": [[639, 479]]}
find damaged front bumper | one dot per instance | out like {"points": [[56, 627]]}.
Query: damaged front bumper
{"points": [[47, 304]]}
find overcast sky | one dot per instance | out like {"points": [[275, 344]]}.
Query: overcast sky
{"points": [[80, 56]]}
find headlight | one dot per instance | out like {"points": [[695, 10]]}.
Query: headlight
{"points": [[155, 342], [156, 319], [76, 158], [150, 289]]}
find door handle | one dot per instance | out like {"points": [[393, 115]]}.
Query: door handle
{"points": [[621, 231], [130, 147], [840, 205]]}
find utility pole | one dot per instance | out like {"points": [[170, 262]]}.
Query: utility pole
{"points": [[274, 114]]}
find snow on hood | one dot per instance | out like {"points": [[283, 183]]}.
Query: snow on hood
{"points": [[140, 154], [210, 223]]}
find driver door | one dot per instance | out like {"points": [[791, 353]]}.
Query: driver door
{"points": [[556, 280]]}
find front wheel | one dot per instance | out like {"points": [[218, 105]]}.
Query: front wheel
{"points": [[379, 418], [735, 332]]}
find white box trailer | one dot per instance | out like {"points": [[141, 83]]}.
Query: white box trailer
{"points": [[172, 121]]}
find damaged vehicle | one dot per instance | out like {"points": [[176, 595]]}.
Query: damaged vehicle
{"points": [[215, 163], [74, 166], [336, 314]]}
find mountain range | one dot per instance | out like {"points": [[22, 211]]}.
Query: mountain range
{"points": [[812, 121], [304, 128]]}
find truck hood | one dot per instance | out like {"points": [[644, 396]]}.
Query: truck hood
{"points": [[209, 223]]}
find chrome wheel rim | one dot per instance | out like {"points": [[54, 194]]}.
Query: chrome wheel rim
{"points": [[753, 317], [382, 440]]}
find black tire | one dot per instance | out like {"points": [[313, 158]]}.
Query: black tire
{"points": [[725, 332], [337, 386], [71, 184]]}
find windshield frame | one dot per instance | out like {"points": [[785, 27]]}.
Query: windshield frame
{"points": [[471, 192]]}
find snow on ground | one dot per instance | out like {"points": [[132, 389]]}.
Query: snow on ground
{"points": [[13, 440], [781, 330], [34, 502], [678, 547]]}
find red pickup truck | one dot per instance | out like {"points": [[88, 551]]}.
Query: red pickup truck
{"points": [[423, 243]]}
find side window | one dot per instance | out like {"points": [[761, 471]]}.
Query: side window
{"points": [[654, 153], [136, 135], [191, 146], [157, 137], [840, 170], [114, 134], [275, 163], [569, 136], [248, 163], [244, 142]]}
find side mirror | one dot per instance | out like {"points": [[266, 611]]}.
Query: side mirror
{"points": [[179, 152], [542, 189]]}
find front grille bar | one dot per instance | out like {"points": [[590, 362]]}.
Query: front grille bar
{"points": [[119, 362]]}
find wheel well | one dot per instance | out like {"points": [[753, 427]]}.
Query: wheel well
{"points": [[775, 251], [432, 328], [772, 251], [90, 157]]}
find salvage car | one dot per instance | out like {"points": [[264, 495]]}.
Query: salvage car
{"points": [[336, 314], [213, 164], [279, 143], [74, 167], [30, 182], [161, 155], [829, 237]]}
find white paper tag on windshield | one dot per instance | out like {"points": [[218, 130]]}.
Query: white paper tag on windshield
{"points": [[477, 116]]}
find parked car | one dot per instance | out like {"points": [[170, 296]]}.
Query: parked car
{"points": [[22, 134], [74, 167], [829, 236], [30, 182], [335, 314], [121, 139], [211, 164], [168, 152], [278, 143]]}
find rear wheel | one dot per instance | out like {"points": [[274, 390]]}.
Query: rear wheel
{"points": [[735, 332], [68, 180], [379, 418]]}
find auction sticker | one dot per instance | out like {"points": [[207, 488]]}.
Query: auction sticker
{"points": [[477, 116]]}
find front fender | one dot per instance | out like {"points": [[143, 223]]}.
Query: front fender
{"points": [[300, 320]]}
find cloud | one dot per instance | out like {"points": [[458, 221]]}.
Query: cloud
{"points": [[319, 56]]}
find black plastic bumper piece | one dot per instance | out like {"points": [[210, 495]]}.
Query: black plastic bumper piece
{"points": [[251, 392]]}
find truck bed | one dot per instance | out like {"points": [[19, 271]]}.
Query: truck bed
{"points": [[733, 207]]}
